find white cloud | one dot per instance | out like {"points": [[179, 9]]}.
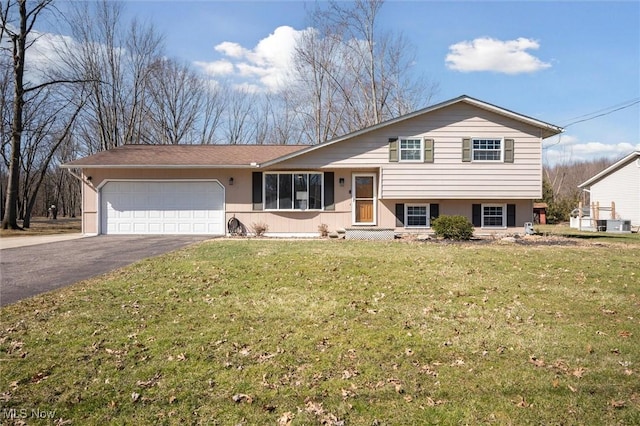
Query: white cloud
{"points": [[488, 54], [568, 149], [43, 53], [222, 67], [266, 66], [233, 50]]}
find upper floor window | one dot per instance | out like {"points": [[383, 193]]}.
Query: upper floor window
{"points": [[498, 150], [411, 149], [414, 149], [293, 191], [487, 149]]}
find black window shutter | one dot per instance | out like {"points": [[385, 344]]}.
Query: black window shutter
{"points": [[476, 215], [328, 191], [428, 150], [393, 150], [434, 211], [508, 150], [399, 215], [257, 190], [511, 215], [466, 150]]}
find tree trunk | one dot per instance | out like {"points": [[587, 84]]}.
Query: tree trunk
{"points": [[10, 219]]}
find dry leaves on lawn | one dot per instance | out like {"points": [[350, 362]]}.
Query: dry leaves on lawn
{"points": [[242, 397]]}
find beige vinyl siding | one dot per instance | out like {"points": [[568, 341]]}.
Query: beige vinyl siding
{"points": [[89, 212], [238, 199], [482, 181], [447, 177], [622, 187]]}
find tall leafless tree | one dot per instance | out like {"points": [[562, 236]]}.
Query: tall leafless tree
{"points": [[118, 60], [352, 74], [16, 36], [215, 98], [240, 126], [176, 101]]}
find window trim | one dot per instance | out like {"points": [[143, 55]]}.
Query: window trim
{"points": [[427, 206], [400, 150], [504, 216], [473, 150], [293, 209]]}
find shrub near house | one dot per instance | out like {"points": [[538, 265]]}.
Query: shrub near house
{"points": [[453, 228]]}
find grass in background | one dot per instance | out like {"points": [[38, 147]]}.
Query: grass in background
{"points": [[606, 237], [45, 226], [336, 332]]}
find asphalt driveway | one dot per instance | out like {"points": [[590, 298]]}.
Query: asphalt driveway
{"points": [[30, 270]]}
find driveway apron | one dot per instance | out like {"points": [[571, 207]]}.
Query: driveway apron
{"points": [[31, 270]]}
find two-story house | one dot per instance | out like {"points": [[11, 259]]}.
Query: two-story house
{"points": [[459, 157]]}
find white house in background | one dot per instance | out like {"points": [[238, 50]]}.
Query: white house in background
{"points": [[618, 184]]}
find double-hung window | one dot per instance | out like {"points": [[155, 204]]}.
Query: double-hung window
{"points": [[411, 149], [486, 149], [493, 216], [293, 191], [416, 215]]}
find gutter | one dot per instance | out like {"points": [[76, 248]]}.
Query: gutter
{"points": [[80, 178]]}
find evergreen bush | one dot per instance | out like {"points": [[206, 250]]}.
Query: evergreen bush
{"points": [[452, 227]]}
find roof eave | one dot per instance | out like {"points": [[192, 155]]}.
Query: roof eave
{"points": [[157, 166], [609, 170]]}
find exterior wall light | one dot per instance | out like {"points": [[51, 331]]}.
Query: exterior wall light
{"points": [[341, 181], [231, 181]]}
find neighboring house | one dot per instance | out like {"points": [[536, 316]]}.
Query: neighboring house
{"points": [[618, 184], [459, 157]]}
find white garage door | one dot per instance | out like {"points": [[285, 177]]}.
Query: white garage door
{"points": [[162, 207]]}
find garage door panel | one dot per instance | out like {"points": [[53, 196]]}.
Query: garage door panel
{"points": [[163, 207]]}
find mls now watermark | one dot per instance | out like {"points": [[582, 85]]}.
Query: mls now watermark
{"points": [[24, 413]]}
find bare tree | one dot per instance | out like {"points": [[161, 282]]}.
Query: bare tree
{"points": [[352, 73], [118, 61], [6, 108], [239, 115], [214, 102], [284, 119], [320, 95], [17, 37], [560, 185], [177, 97]]}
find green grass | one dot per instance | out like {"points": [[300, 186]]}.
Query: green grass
{"points": [[607, 237], [332, 332]]}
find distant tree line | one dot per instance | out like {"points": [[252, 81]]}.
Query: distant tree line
{"points": [[560, 186]]}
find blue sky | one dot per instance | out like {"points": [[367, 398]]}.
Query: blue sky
{"points": [[559, 62]]}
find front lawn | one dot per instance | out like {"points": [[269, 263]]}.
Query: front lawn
{"points": [[335, 332]]}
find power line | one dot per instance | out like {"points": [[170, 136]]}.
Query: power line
{"points": [[604, 111], [591, 116]]}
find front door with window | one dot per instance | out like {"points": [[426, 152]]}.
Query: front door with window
{"points": [[364, 199]]}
